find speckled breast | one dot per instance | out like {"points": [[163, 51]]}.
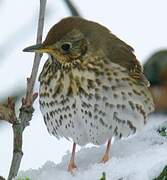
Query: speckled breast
{"points": [[89, 107]]}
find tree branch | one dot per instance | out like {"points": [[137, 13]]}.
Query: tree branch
{"points": [[26, 110], [72, 8], [37, 58]]}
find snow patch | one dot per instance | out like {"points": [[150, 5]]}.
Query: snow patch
{"points": [[141, 156]]}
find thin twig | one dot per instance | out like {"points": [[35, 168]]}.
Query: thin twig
{"points": [[72, 8], [26, 109], [37, 58]]}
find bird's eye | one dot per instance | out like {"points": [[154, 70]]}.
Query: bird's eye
{"points": [[66, 46]]}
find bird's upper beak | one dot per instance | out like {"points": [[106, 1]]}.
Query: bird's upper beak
{"points": [[36, 48]]}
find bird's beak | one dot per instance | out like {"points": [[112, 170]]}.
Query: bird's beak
{"points": [[36, 48]]}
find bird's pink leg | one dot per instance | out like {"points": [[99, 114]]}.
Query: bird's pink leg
{"points": [[71, 165], [106, 154]]}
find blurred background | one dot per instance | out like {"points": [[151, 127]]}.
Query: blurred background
{"points": [[142, 24]]}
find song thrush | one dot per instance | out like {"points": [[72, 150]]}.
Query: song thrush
{"points": [[92, 87]]}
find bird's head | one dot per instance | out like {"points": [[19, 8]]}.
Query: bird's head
{"points": [[65, 42], [72, 38]]}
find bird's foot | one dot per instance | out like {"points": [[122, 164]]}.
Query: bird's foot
{"points": [[72, 167], [105, 158]]}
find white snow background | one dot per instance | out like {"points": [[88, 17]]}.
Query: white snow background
{"points": [[142, 24], [139, 157]]}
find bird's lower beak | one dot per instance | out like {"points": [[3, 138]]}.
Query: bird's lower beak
{"points": [[36, 48]]}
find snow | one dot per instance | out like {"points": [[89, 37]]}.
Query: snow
{"points": [[145, 31], [141, 156]]}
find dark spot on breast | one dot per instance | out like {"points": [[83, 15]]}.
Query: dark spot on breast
{"points": [[65, 116], [123, 106], [136, 92], [115, 96], [51, 113], [96, 89], [104, 98], [56, 121], [74, 105], [47, 116], [57, 90], [90, 96], [51, 103], [98, 81], [116, 131], [118, 106], [61, 117], [70, 91], [131, 105], [113, 88], [90, 83], [107, 104], [45, 120], [50, 90], [111, 106], [115, 73], [115, 117], [96, 117], [59, 110], [117, 80], [90, 114], [97, 96], [60, 122], [103, 123], [105, 87], [133, 128], [109, 78]]}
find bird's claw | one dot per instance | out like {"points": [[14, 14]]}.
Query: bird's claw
{"points": [[105, 158], [72, 167]]}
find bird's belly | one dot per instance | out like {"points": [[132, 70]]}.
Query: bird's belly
{"points": [[93, 117]]}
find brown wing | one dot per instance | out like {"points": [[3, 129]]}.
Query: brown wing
{"points": [[122, 54]]}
